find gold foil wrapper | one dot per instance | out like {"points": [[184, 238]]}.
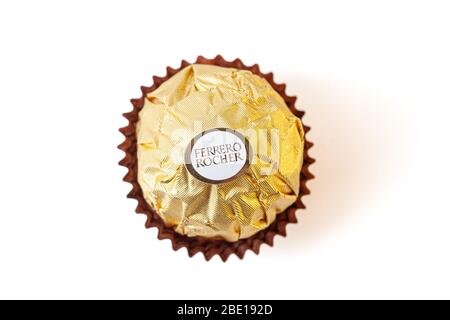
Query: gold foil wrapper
{"points": [[205, 97]]}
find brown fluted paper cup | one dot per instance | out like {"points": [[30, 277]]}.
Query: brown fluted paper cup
{"points": [[209, 190]]}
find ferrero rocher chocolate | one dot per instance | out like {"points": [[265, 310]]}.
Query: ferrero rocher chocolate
{"points": [[219, 152]]}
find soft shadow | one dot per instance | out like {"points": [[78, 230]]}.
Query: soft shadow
{"points": [[361, 145]]}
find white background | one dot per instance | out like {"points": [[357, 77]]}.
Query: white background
{"points": [[372, 76]]}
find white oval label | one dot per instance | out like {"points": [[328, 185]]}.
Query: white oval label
{"points": [[217, 155]]}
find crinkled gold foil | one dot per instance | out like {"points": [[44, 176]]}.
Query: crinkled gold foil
{"points": [[203, 97]]}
